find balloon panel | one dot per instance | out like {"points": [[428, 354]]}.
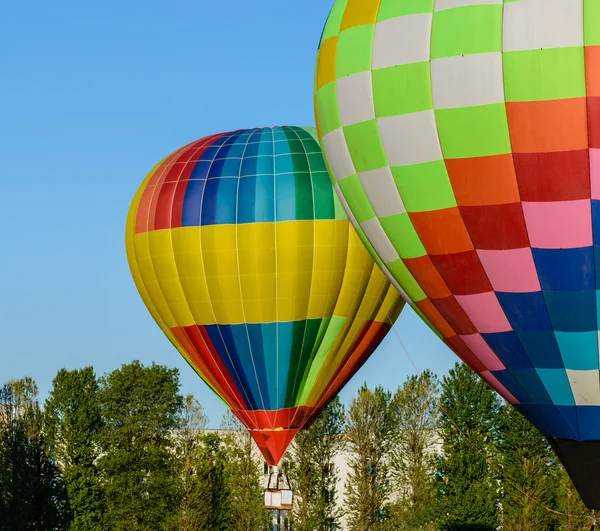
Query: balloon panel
{"points": [[463, 139], [246, 259]]}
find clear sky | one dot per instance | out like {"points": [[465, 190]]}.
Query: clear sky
{"points": [[92, 95]]}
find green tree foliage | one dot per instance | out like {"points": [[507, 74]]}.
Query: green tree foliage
{"points": [[574, 516], [244, 473], [414, 452], [313, 472], [212, 498], [140, 406], [528, 469], [371, 425], [31, 493], [467, 485], [73, 425]]}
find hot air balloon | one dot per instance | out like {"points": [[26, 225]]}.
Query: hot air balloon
{"points": [[463, 137], [246, 260]]}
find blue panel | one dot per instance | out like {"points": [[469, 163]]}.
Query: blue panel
{"points": [[248, 166], [231, 168], [508, 381], [190, 216], [265, 165], [200, 170], [251, 150], [569, 414], [285, 331], [210, 153], [597, 264], [216, 169], [598, 309], [552, 421], [279, 135], [286, 197], [508, 348], [542, 349], [589, 423], [579, 350], [246, 208], [264, 199], [210, 202], [533, 414], [529, 380], [525, 311], [284, 164], [259, 352], [227, 201], [252, 367], [266, 147], [232, 363], [237, 151], [269, 338], [565, 269], [596, 221], [558, 386], [572, 311]]}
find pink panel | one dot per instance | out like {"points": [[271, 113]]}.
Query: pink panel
{"points": [[485, 312], [502, 391], [559, 225], [483, 352], [511, 271]]}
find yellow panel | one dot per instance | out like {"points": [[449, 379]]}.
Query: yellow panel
{"points": [[326, 62], [359, 12], [163, 260]]}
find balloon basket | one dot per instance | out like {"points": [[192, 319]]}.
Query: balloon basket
{"points": [[279, 494]]}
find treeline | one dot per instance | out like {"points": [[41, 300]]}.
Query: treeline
{"points": [[127, 450]]}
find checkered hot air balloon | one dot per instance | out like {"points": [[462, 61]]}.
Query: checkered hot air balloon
{"points": [[246, 260], [463, 137]]}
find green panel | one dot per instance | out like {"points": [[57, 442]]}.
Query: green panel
{"points": [[425, 186], [365, 147], [328, 109], [473, 131], [402, 234], [354, 50], [402, 89], [368, 246], [591, 26], [340, 213], [357, 200], [466, 30], [408, 283], [316, 162], [547, 74], [334, 21], [395, 8], [300, 162], [323, 195], [304, 335], [333, 331]]}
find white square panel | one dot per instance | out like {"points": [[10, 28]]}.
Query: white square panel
{"points": [[345, 205], [338, 155], [379, 240], [440, 5], [402, 40], [380, 188], [585, 386], [467, 81], [355, 98], [535, 24], [410, 138]]}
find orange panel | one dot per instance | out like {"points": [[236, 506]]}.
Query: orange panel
{"points": [[592, 70], [442, 231], [428, 277], [436, 318]]}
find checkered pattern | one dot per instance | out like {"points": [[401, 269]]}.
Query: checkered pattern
{"points": [[245, 258], [464, 138]]}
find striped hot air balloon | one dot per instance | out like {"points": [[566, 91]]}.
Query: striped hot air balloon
{"points": [[246, 260]]}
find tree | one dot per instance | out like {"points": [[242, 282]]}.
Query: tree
{"points": [[528, 467], [243, 471], [32, 495], [467, 485], [575, 516], [313, 471], [371, 425], [193, 423], [141, 407], [74, 424], [212, 495], [414, 452]]}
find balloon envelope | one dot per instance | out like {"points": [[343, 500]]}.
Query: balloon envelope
{"points": [[246, 260], [464, 140]]}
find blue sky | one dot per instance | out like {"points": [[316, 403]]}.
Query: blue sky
{"points": [[92, 97]]}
